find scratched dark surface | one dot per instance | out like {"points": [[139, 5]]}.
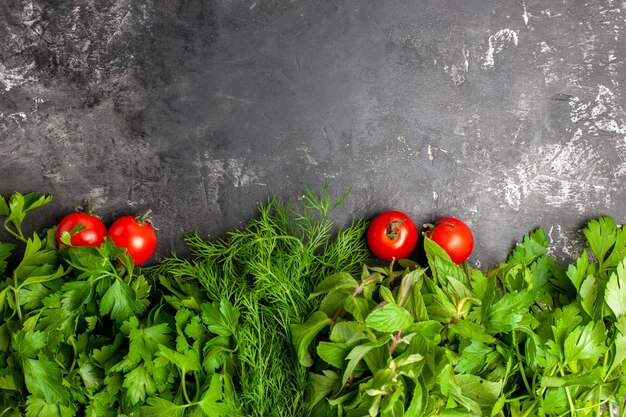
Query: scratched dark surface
{"points": [[510, 115]]}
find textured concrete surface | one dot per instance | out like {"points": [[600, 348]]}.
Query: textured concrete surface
{"points": [[508, 114]]}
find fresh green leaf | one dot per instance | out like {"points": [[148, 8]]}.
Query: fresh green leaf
{"points": [[473, 358], [585, 343], [43, 379], [577, 273], [38, 407], [334, 353], [389, 318], [186, 361], [303, 335], [583, 379], [120, 301], [358, 307], [211, 402], [601, 235], [511, 312], [615, 293], [472, 331], [347, 331], [532, 246], [6, 249], [159, 407], [339, 280], [321, 386], [357, 354], [139, 385]]}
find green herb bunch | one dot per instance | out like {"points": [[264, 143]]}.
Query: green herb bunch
{"points": [[529, 338], [79, 335], [60, 312], [266, 271]]}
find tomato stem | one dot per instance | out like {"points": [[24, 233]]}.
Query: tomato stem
{"points": [[393, 228], [144, 218], [87, 208]]}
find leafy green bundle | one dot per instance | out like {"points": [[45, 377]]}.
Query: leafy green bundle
{"points": [[267, 271], [528, 338], [274, 320], [84, 332]]}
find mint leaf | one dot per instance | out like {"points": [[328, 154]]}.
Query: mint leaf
{"points": [[303, 334], [357, 354], [472, 331], [337, 281], [389, 318], [334, 353], [434, 251], [480, 390], [358, 307], [347, 331], [320, 386], [438, 304]]}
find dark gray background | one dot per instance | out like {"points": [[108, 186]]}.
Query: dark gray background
{"points": [[507, 114]]}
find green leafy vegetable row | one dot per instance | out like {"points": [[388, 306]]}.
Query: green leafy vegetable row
{"points": [[529, 338], [284, 318]]}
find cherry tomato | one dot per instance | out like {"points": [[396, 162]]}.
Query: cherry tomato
{"points": [[136, 235], [454, 236], [93, 233], [392, 235]]}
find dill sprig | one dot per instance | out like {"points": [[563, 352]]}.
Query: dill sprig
{"points": [[267, 271]]}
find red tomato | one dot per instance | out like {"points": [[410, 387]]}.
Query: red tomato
{"points": [[93, 233], [392, 235], [454, 237], [136, 235]]}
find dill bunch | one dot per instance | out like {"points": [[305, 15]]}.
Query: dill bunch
{"points": [[267, 271]]}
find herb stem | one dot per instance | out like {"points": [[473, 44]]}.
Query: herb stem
{"points": [[521, 360], [569, 396], [197, 394], [15, 233], [71, 341], [394, 342], [184, 384], [531, 409], [16, 292]]}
